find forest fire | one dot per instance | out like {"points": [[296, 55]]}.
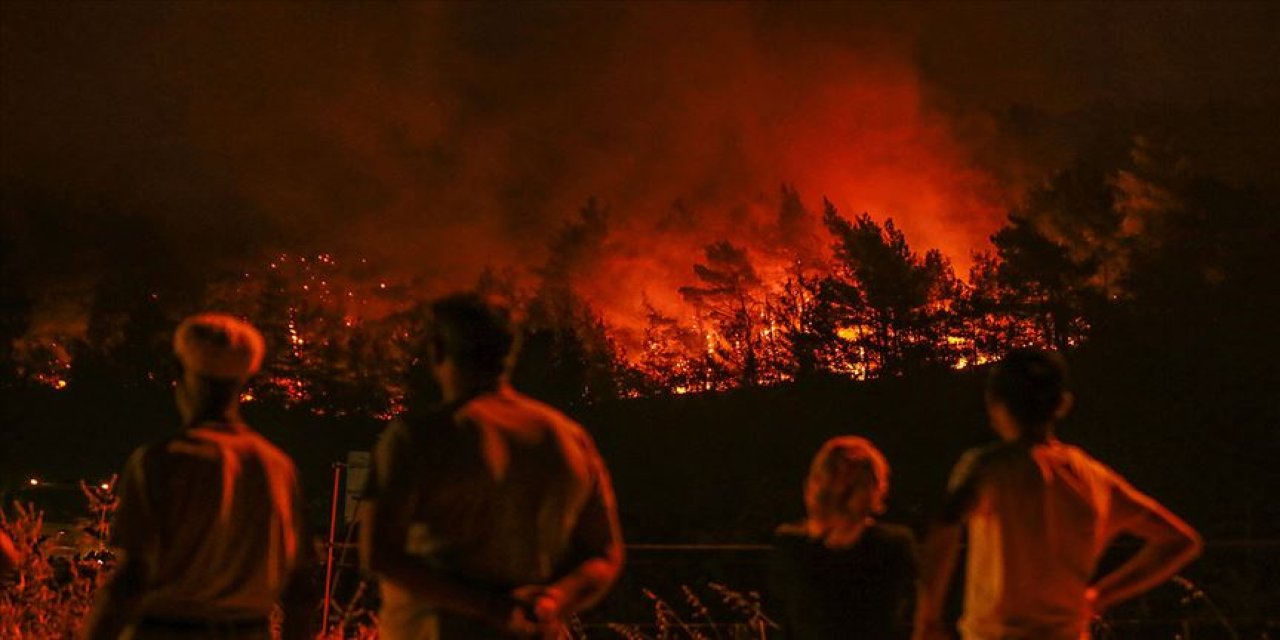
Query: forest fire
{"points": [[856, 301], [691, 271], [726, 232], [801, 292], [804, 294]]}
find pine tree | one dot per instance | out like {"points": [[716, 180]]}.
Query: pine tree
{"points": [[1040, 282], [730, 308], [898, 306]]}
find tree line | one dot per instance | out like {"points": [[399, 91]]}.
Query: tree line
{"points": [[1140, 249]]}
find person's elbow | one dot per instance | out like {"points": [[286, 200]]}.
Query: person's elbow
{"points": [[593, 576], [604, 568], [1181, 544], [615, 557], [1191, 545]]}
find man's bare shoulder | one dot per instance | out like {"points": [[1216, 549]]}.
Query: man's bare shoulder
{"points": [[1076, 453], [980, 465], [1085, 463], [511, 408]]}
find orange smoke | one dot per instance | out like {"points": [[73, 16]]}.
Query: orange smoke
{"points": [[847, 122], [442, 139]]}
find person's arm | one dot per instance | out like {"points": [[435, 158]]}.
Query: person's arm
{"points": [[117, 599], [384, 528], [596, 546], [382, 537], [596, 554], [941, 545], [1169, 544]]}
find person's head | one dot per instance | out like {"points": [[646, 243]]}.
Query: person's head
{"points": [[1027, 394], [218, 353], [848, 482], [469, 341]]}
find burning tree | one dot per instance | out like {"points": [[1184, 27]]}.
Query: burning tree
{"points": [[336, 336], [790, 296], [730, 311], [664, 364], [897, 308], [1037, 280]]}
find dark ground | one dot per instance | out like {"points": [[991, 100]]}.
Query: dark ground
{"points": [[1195, 430]]}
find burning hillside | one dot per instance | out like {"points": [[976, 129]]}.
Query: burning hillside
{"points": [[407, 150]]}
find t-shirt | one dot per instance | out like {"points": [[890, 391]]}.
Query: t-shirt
{"points": [[1043, 513], [212, 517], [863, 591], [499, 489]]}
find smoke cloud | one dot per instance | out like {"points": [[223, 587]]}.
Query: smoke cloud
{"points": [[439, 139]]}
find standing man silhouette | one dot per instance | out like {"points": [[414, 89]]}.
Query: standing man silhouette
{"points": [[209, 528], [492, 515], [1040, 513]]}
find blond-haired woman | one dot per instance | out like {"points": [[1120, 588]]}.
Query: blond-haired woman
{"points": [[840, 573]]}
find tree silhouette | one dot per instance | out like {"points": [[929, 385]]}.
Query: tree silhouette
{"points": [[567, 356], [1038, 280], [730, 309], [127, 338], [665, 358], [898, 305]]}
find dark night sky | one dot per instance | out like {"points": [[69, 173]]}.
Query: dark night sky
{"points": [[440, 138]]}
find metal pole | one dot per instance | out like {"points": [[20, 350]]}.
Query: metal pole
{"points": [[328, 564]]}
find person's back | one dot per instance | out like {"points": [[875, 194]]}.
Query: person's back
{"points": [[1040, 514], [211, 514], [498, 486], [1042, 518], [862, 591], [208, 525], [492, 516], [840, 573]]}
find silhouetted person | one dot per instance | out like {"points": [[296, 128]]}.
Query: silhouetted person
{"points": [[491, 516], [208, 527], [840, 573], [1040, 513]]}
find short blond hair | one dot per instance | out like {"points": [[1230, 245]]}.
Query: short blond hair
{"points": [[842, 468]]}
